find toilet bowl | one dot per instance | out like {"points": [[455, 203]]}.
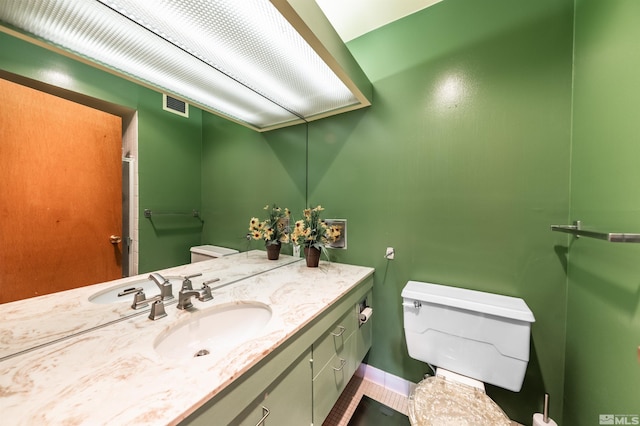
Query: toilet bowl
{"points": [[471, 337], [443, 401]]}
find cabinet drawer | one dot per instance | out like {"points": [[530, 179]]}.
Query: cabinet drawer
{"points": [[331, 381], [334, 341], [286, 401]]}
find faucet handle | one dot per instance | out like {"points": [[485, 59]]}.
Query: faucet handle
{"points": [[139, 300], [206, 293], [157, 306], [206, 290], [157, 309], [186, 284], [213, 280]]}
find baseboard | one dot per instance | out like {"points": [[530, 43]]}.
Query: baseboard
{"points": [[387, 380]]}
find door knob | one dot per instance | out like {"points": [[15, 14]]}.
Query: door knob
{"points": [[115, 239]]}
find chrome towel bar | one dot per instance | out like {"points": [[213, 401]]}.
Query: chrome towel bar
{"points": [[614, 237], [148, 213]]}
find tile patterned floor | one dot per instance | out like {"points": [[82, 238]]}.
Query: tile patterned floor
{"points": [[350, 398], [346, 405]]}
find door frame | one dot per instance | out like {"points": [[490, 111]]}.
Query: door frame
{"points": [[130, 208]]}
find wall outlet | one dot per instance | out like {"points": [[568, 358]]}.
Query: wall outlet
{"points": [[390, 253]]}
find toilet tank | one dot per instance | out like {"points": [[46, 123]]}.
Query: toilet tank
{"points": [[480, 335], [208, 252]]}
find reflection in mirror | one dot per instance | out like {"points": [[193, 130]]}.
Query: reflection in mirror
{"points": [[72, 312], [62, 173]]}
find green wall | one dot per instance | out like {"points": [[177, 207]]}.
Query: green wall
{"points": [[603, 312], [461, 165], [169, 146], [242, 171], [170, 152]]}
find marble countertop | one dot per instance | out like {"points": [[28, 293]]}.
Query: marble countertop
{"points": [[113, 375]]}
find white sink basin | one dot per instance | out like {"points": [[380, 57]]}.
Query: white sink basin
{"points": [[150, 289], [214, 330]]}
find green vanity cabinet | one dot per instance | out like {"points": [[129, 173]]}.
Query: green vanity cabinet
{"points": [[299, 382], [336, 356], [331, 380]]}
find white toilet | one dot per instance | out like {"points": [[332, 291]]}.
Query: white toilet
{"points": [[471, 337], [208, 252]]}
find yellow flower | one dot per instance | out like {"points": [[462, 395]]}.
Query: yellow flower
{"points": [[297, 232], [273, 229], [268, 232]]}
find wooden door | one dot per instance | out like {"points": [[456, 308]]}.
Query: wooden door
{"points": [[61, 196]]}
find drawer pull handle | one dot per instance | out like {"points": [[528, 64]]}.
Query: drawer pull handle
{"points": [[342, 364], [340, 333], [265, 414]]}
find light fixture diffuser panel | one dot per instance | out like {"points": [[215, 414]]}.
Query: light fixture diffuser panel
{"points": [[240, 59], [251, 42]]}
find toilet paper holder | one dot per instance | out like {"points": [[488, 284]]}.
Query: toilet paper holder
{"points": [[364, 312], [543, 419]]}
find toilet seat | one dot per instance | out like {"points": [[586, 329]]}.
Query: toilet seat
{"points": [[439, 402]]}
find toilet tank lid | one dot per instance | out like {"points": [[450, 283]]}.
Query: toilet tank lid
{"points": [[471, 300], [209, 250]]}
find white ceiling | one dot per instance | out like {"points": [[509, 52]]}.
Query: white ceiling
{"points": [[353, 18]]}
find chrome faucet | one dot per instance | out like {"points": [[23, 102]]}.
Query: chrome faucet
{"points": [[166, 290], [203, 294]]}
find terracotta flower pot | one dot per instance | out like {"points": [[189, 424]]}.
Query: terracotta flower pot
{"points": [[273, 251], [312, 256]]}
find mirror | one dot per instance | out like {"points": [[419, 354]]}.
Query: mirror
{"points": [[44, 322]]}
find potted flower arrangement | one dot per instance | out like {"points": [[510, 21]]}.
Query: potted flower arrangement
{"points": [[313, 234], [274, 230]]}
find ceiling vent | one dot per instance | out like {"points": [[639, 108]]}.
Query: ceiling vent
{"points": [[175, 106]]}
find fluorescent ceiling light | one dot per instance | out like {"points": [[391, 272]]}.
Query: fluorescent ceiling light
{"points": [[240, 59]]}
